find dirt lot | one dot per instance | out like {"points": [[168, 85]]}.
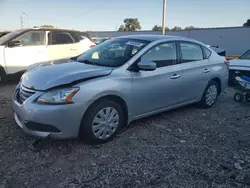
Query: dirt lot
{"points": [[187, 147]]}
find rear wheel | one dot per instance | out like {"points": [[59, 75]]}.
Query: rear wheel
{"points": [[247, 97], [102, 121], [210, 95], [238, 97]]}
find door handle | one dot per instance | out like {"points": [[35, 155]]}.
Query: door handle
{"points": [[175, 76], [73, 49], [206, 70]]}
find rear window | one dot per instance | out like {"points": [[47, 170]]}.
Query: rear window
{"points": [[83, 35], [246, 55], [207, 53]]}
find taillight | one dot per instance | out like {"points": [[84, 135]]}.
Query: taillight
{"points": [[227, 64], [92, 46]]}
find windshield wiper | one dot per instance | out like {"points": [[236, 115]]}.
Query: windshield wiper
{"points": [[89, 63]]}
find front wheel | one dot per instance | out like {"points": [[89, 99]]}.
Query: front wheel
{"points": [[2, 76], [102, 121], [210, 95]]}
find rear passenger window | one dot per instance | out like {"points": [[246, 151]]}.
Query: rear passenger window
{"points": [[75, 36], [163, 54], [61, 37], [191, 52], [207, 53]]}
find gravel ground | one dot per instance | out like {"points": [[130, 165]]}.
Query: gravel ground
{"points": [[187, 147]]}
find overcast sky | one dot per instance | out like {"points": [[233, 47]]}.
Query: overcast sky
{"points": [[101, 15]]}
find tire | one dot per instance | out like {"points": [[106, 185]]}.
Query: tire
{"points": [[247, 97], [238, 97], [93, 123], [2, 75], [213, 89]]}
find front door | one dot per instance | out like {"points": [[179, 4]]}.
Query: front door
{"points": [[32, 49], [153, 90]]}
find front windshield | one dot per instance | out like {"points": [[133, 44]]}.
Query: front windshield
{"points": [[245, 55], [112, 53], [9, 36]]}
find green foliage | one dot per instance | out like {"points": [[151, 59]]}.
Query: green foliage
{"points": [[247, 23], [159, 28], [190, 27], [130, 24], [121, 28], [176, 28]]}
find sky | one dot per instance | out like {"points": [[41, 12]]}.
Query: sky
{"points": [[108, 15]]}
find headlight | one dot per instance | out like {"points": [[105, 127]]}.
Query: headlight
{"points": [[59, 96]]}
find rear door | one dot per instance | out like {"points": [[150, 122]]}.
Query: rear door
{"points": [[61, 45], [154, 90], [196, 70]]}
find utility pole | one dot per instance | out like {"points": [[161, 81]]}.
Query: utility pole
{"points": [[164, 17], [21, 21]]}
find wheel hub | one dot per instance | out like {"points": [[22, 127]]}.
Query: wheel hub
{"points": [[105, 123], [211, 95]]}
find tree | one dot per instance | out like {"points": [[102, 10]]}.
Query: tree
{"points": [[190, 27], [247, 23], [130, 24], [159, 28], [176, 28], [121, 28]]}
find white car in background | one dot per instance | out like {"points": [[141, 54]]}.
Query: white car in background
{"points": [[240, 66], [22, 48]]}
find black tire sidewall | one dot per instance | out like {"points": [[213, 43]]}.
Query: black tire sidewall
{"points": [[247, 97], [85, 131], [2, 75], [203, 102], [240, 97]]}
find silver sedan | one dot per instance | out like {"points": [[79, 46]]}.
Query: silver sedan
{"points": [[94, 95]]}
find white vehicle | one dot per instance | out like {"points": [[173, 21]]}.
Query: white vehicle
{"points": [[240, 66], [22, 48]]}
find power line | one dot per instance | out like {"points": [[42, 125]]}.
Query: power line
{"points": [[93, 9]]}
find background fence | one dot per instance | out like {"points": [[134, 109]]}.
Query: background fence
{"points": [[235, 40]]}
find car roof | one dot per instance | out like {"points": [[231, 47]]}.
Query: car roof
{"points": [[52, 29], [152, 37]]}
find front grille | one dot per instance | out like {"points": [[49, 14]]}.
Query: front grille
{"points": [[24, 93]]}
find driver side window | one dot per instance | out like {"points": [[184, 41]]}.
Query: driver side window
{"points": [[163, 54], [31, 38]]}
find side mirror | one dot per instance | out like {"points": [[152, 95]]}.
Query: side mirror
{"points": [[14, 43], [146, 65]]}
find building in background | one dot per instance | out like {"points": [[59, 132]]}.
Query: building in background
{"points": [[235, 40]]}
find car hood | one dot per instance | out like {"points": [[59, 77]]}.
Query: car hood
{"points": [[47, 75], [240, 62]]}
